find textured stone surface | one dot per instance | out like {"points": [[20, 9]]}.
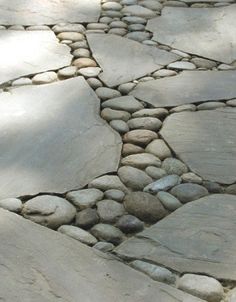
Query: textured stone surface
{"points": [[134, 178], [209, 145], [188, 87], [110, 210], [199, 237], [157, 273], [207, 32], [144, 206], [78, 234], [188, 192], [33, 12], [50, 211], [84, 199], [122, 59], [27, 52], [11, 204], [46, 257], [46, 145], [163, 184], [204, 287]]}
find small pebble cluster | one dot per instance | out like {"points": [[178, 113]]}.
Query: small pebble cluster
{"points": [[150, 182]]}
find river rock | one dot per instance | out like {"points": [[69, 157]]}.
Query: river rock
{"points": [[108, 233], [174, 166], [78, 234], [50, 211], [140, 137], [109, 210], [11, 204], [130, 224], [163, 184], [188, 192], [159, 148], [157, 273], [108, 182], [144, 206], [86, 218], [134, 178], [84, 198], [141, 160], [204, 287], [169, 201]]}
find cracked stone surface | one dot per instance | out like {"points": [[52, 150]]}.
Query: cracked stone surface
{"points": [[207, 32], [46, 257], [210, 154], [27, 52], [199, 237], [188, 87], [34, 12], [47, 145], [122, 60]]}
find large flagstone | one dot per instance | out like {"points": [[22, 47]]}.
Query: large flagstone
{"points": [[123, 60], [52, 139], [205, 141], [38, 12], [207, 32], [28, 52], [199, 237], [38, 264], [188, 87]]}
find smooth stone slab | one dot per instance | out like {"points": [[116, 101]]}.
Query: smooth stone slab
{"points": [[35, 260], [121, 59], [33, 12], [188, 87], [27, 52], [50, 139], [208, 146], [210, 33], [199, 237]]}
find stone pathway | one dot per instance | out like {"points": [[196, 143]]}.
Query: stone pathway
{"points": [[117, 123]]}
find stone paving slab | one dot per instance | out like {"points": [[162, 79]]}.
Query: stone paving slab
{"points": [[199, 237], [207, 32], [205, 141], [123, 60], [38, 12], [52, 139], [188, 87], [38, 264], [28, 52]]}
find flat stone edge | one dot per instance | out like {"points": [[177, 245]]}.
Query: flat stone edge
{"points": [[142, 284]]}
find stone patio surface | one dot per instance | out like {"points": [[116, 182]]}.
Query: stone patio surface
{"points": [[122, 59], [200, 237], [52, 139], [211, 154], [47, 266], [188, 87], [117, 150], [209, 33], [37, 51], [37, 12]]}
